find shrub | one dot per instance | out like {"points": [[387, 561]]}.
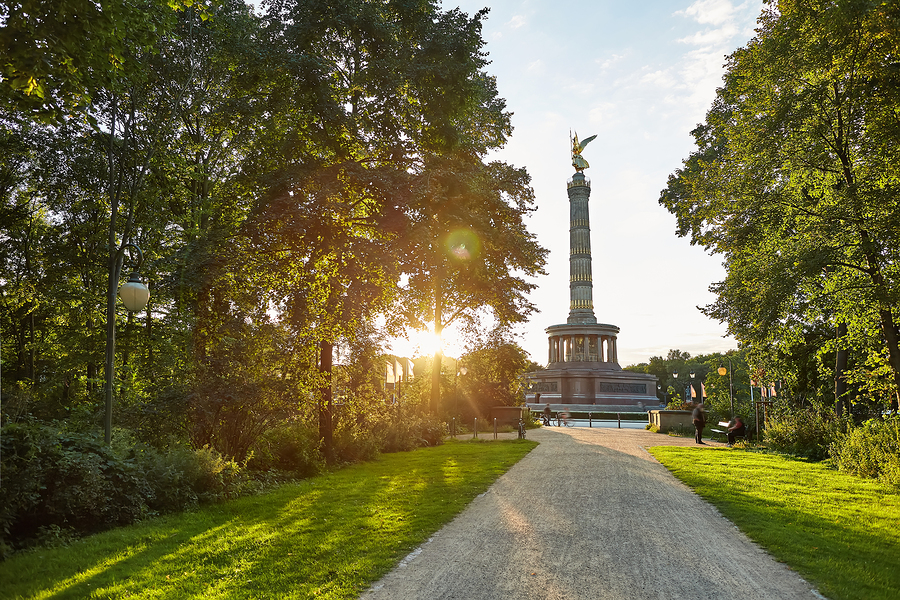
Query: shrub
{"points": [[679, 405], [871, 450], [293, 448], [806, 432], [355, 444], [169, 476], [57, 483], [68, 480], [410, 432], [426, 431]]}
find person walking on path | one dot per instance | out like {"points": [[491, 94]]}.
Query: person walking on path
{"points": [[699, 418]]}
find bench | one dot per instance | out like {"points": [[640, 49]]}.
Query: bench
{"points": [[724, 431], [724, 425]]}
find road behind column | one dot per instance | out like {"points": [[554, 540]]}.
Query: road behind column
{"points": [[590, 515]]}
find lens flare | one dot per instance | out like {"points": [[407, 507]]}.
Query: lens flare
{"points": [[463, 244]]}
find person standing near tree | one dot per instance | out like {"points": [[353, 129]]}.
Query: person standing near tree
{"points": [[699, 418]]}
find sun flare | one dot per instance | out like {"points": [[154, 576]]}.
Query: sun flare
{"points": [[425, 343]]}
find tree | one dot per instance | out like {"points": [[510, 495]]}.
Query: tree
{"points": [[468, 249], [55, 57], [495, 368], [276, 171], [795, 180]]}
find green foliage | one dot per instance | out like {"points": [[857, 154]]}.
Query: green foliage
{"points": [[531, 419], [280, 174], [679, 405], [69, 480], [292, 447], [56, 57], [61, 481], [412, 431], [794, 182], [871, 450], [495, 366], [807, 432]]}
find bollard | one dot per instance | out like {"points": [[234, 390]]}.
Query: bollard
{"points": [[475, 435], [453, 427], [495, 428], [590, 419], [620, 419]]}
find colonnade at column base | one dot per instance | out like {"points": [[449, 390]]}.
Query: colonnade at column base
{"points": [[592, 384], [597, 409]]}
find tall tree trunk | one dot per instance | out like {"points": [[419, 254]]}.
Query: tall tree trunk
{"points": [[149, 337], [888, 328], [840, 369], [438, 354], [326, 357], [112, 281], [890, 335], [32, 346], [109, 369], [91, 376]]}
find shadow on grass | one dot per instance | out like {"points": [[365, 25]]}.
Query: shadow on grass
{"points": [[837, 530], [329, 536]]}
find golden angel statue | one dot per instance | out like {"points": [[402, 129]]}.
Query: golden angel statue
{"points": [[577, 161]]}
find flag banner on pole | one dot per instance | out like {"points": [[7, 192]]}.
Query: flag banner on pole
{"points": [[702, 391]]}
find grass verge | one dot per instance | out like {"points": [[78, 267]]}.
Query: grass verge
{"points": [[838, 531], [327, 537]]}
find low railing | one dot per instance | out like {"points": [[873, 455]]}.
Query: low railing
{"points": [[586, 182]]}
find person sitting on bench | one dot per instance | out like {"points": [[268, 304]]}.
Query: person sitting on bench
{"points": [[736, 430]]}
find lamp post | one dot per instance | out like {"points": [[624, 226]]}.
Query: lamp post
{"points": [[461, 372], [134, 295], [722, 371], [690, 384]]}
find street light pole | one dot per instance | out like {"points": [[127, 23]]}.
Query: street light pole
{"points": [[134, 296], [462, 371], [690, 384]]}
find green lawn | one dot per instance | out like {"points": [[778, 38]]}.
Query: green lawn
{"points": [[839, 532], [327, 537]]}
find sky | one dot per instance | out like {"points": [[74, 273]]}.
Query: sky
{"points": [[641, 76]]}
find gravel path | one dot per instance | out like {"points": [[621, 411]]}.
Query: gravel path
{"points": [[589, 514]]}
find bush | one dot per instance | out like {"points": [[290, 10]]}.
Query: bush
{"points": [[355, 444], [804, 432], [57, 483], [293, 448], [410, 432], [679, 405], [871, 450], [426, 431], [71, 481]]}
